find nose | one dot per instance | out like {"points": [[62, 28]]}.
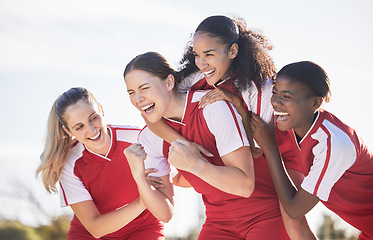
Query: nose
{"points": [[92, 128], [200, 62], [139, 97], [275, 100]]}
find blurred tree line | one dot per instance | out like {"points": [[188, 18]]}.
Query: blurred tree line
{"points": [[14, 230], [59, 226]]}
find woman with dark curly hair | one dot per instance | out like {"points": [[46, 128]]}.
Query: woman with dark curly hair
{"points": [[233, 62]]}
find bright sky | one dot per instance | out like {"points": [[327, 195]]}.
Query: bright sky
{"points": [[48, 47]]}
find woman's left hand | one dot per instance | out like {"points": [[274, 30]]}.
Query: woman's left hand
{"points": [[185, 156], [216, 95]]}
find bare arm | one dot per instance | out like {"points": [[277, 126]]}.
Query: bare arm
{"points": [[296, 228], [158, 201], [236, 177], [295, 202], [101, 224], [163, 130]]}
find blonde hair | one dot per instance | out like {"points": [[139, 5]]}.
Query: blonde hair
{"points": [[58, 143]]}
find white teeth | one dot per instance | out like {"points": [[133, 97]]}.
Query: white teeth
{"points": [[95, 137], [209, 72], [281, 113], [147, 106]]}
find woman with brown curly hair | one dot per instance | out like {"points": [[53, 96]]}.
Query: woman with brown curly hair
{"points": [[233, 62]]}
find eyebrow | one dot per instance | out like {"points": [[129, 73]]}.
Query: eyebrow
{"points": [[288, 92], [128, 90], [210, 50], [207, 51]]}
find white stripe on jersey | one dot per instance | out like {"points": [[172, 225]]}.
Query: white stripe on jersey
{"points": [[153, 146], [125, 135], [71, 187], [223, 128], [325, 172]]}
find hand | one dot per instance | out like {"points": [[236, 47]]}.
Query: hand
{"points": [[263, 133], [256, 152], [156, 182], [202, 149], [185, 156], [136, 155], [216, 95]]}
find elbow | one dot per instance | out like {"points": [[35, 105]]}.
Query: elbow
{"points": [[166, 217], [248, 188], [96, 233], [293, 213]]}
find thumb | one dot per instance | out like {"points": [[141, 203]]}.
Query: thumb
{"points": [[204, 150]]}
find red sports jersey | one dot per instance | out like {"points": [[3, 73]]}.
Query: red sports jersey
{"points": [[218, 128], [339, 170], [107, 180]]}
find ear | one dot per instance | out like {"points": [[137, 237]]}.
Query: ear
{"points": [[170, 82], [67, 131], [317, 102], [233, 51]]}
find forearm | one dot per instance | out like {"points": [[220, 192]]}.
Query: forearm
{"points": [[297, 228], [283, 185], [163, 130], [228, 179], [157, 202], [102, 224]]}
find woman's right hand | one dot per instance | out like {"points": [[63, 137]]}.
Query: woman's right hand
{"points": [[136, 155]]}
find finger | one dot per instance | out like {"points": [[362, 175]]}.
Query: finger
{"points": [[156, 184], [155, 179], [204, 150], [183, 142], [150, 170], [272, 123]]}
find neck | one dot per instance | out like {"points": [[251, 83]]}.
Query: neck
{"points": [[175, 110], [300, 133]]}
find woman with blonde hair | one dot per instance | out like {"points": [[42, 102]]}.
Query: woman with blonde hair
{"points": [[101, 173]]}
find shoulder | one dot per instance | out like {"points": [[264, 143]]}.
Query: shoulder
{"points": [[125, 133], [75, 153], [332, 141], [149, 139], [190, 80], [194, 77]]}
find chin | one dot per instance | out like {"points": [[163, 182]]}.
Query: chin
{"points": [[282, 127]]}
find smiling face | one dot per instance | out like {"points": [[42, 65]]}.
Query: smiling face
{"points": [[86, 123], [294, 105], [149, 94], [212, 57]]}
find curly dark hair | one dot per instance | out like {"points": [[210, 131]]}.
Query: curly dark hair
{"points": [[252, 63]]}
